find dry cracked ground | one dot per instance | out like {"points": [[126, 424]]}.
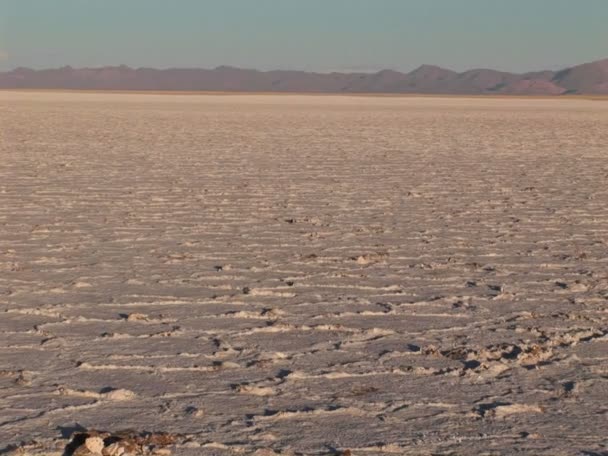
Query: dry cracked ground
{"points": [[305, 275]]}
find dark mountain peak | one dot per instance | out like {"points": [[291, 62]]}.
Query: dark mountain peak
{"points": [[387, 75], [425, 67], [431, 71], [478, 71], [387, 72]]}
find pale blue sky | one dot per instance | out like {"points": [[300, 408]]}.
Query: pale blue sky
{"points": [[319, 35]]}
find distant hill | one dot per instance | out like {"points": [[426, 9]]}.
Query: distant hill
{"points": [[589, 78]]}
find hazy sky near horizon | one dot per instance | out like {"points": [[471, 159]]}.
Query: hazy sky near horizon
{"points": [[321, 35]]}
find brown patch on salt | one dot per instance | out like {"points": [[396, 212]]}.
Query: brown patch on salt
{"points": [[122, 443]]}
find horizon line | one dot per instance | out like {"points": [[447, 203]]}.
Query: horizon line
{"points": [[245, 68]]}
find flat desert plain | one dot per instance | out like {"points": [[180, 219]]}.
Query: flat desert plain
{"points": [[305, 275]]}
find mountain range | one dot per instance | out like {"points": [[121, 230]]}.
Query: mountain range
{"points": [[589, 78]]}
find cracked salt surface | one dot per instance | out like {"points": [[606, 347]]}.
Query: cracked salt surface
{"points": [[303, 275]]}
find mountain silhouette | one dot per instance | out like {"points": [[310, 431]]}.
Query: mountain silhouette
{"points": [[588, 78]]}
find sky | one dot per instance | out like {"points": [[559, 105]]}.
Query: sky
{"points": [[315, 35]]}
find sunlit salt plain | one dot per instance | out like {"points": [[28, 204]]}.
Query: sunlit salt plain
{"points": [[305, 274]]}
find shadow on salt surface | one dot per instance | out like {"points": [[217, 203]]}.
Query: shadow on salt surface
{"points": [[83, 442]]}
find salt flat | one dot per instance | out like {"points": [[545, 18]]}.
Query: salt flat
{"points": [[307, 274]]}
